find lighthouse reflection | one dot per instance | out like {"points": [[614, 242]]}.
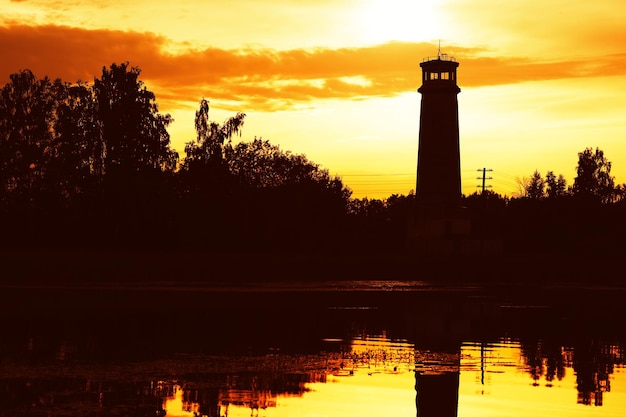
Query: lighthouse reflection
{"points": [[437, 382]]}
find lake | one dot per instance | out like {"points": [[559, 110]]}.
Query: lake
{"points": [[334, 348]]}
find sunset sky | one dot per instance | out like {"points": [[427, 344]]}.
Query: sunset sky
{"points": [[540, 80]]}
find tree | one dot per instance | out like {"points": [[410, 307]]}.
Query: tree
{"points": [[204, 171], [76, 156], [535, 186], [256, 164], [134, 134], [26, 110], [620, 193], [260, 164], [138, 161], [254, 194], [283, 200], [213, 141], [555, 187], [46, 158], [522, 186], [593, 179]]}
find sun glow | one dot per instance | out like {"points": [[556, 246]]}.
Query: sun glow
{"points": [[402, 20]]}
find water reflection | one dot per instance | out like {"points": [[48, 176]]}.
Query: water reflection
{"points": [[364, 375], [503, 376], [444, 354]]}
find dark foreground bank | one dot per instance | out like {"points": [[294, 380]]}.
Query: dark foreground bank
{"points": [[89, 266]]}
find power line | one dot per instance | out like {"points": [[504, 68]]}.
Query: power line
{"points": [[506, 175], [505, 183], [377, 183], [374, 175]]}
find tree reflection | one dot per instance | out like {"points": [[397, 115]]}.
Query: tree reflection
{"points": [[593, 362], [544, 358]]}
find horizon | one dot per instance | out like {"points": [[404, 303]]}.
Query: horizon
{"points": [[539, 83]]}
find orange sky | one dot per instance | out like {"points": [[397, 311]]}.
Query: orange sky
{"points": [[336, 80]]}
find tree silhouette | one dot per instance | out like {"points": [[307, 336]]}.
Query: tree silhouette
{"points": [[295, 203], [254, 194], [535, 187], [555, 187], [134, 134], [75, 159], [209, 146], [205, 169], [136, 154], [26, 109], [204, 182], [593, 179], [259, 164]]}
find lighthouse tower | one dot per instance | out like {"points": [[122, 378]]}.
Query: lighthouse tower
{"points": [[438, 161], [438, 213]]}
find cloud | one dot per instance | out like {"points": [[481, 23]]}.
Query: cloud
{"points": [[266, 79], [71, 53]]}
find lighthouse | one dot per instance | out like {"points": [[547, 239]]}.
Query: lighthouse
{"points": [[438, 160], [439, 218]]}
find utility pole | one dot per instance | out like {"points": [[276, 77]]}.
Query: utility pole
{"points": [[484, 179]]}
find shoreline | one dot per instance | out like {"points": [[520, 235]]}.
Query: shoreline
{"points": [[59, 266]]}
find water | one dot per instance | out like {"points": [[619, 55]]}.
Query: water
{"points": [[340, 348]]}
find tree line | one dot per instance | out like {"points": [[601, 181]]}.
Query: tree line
{"points": [[91, 165], [593, 181], [547, 216], [550, 216]]}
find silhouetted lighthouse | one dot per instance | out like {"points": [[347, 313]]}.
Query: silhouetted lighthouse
{"points": [[438, 214], [438, 160]]}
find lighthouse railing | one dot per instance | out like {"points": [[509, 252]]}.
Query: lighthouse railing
{"points": [[442, 57]]}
